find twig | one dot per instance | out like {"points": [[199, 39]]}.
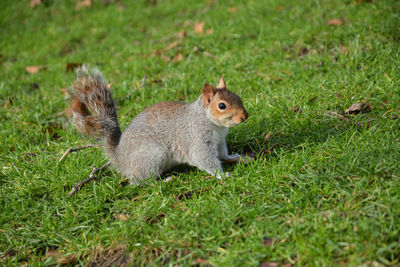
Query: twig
{"points": [[70, 150], [335, 114], [91, 177]]}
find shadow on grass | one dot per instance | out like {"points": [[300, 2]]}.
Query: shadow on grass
{"points": [[311, 131]]}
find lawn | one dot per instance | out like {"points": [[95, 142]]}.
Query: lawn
{"points": [[323, 189]]}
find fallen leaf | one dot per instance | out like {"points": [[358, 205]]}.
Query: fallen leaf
{"points": [[208, 54], [344, 49], [158, 217], [60, 258], [297, 109], [83, 3], [171, 45], [267, 136], [336, 22], [199, 27], [209, 31], [269, 264], [165, 58], [189, 194], [72, 66], [359, 107], [35, 3], [269, 241], [387, 77], [181, 34], [8, 102], [35, 69], [203, 262], [279, 8], [178, 58], [304, 51], [121, 216], [233, 9]]}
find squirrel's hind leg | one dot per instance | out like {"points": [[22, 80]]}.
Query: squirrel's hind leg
{"points": [[145, 162]]}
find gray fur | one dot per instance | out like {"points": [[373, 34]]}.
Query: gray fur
{"points": [[158, 139]]}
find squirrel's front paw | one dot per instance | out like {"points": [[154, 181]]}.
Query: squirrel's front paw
{"points": [[220, 176]]}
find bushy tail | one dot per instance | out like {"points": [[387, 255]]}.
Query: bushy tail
{"points": [[93, 109]]}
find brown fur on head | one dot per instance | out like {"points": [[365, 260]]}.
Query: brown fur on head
{"points": [[225, 108]]}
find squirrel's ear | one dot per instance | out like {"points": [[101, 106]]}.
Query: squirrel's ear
{"points": [[221, 84], [208, 94]]}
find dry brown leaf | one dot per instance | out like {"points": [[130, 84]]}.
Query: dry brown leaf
{"points": [[178, 58], [208, 54], [304, 51], [189, 194], [233, 9], [269, 264], [72, 66], [121, 216], [82, 4], [171, 45], [199, 27], [344, 49], [267, 136], [35, 3], [387, 77], [359, 107], [270, 241], [35, 69], [60, 258], [113, 256], [181, 34], [8, 102], [209, 31], [165, 58], [336, 22], [297, 109], [155, 219], [202, 262]]}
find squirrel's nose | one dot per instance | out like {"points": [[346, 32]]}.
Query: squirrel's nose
{"points": [[244, 116]]}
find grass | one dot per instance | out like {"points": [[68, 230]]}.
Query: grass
{"points": [[327, 195]]}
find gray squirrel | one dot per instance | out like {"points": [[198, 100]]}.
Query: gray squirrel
{"points": [[161, 136]]}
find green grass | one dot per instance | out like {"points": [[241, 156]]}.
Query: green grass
{"points": [[328, 193]]}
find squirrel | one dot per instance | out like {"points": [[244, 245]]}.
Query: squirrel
{"points": [[161, 136]]}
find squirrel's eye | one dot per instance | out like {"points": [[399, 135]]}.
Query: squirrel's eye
{"points": [[221, 106]]}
